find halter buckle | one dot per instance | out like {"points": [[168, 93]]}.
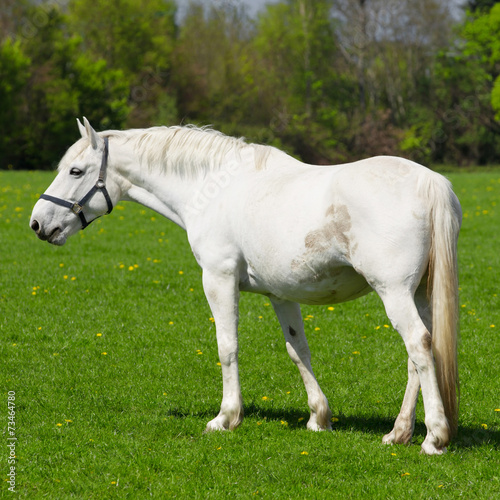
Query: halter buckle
{"points": [[76, 208]]}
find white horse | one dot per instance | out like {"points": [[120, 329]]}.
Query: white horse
{"points": [[260, 221]]}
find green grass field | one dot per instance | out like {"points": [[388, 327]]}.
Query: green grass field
{"points": [[109, 348]]}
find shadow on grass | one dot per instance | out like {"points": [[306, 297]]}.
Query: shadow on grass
{"points": [[468, 437]]}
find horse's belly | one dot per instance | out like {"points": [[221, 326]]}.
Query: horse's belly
{"points": [[334, 285]]}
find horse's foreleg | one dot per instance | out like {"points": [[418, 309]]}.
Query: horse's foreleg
{"points": [[290, 320], [405, 422], [223, 295]]}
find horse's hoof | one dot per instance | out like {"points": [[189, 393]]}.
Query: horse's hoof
{"points": [[217, 424], [430, 449]]}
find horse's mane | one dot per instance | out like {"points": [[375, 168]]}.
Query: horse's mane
{"points": [[187, 150]]}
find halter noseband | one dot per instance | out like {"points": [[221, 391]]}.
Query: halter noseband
{"points": [[77, 207]]}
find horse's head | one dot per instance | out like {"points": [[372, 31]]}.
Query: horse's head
{"points": [[81, 192]]}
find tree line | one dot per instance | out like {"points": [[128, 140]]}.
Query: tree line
{"points": [[329, 81]]}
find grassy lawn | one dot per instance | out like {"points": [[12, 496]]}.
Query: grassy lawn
{"points": [[109, 347]]}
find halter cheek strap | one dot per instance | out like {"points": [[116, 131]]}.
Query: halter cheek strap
{"points": [[100, 185]]}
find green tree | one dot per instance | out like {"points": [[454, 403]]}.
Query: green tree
{"points": [[210, 60], [483, 44], [309, 94], [14, 75], [480, 5], [461, 127], [63, 83], [134, 36]]}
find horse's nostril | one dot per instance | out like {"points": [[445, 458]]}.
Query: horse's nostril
{"points": [[35, 226]]}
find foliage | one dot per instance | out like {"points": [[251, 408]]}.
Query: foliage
{"points": [[14, 74], [63, 83], [327, 80], [112, 355]]}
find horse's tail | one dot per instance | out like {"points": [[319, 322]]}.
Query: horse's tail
{"points": [[443, 292]]}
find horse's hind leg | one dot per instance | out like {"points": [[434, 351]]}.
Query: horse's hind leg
{"points": [[405, 422], [290, 320], [402, 312]]}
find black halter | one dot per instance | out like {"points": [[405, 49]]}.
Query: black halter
{"points": [[77, 207]]}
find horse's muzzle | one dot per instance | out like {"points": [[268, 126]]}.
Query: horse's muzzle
{"points": [[52, 237]]}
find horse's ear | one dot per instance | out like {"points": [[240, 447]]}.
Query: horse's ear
{"points": [[95, 140], [81, 128]]}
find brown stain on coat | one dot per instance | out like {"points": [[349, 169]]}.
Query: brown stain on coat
{"points": [[337, 226]]}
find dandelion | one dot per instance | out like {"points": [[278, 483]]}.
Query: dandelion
{"points": [[484, 426], [99, 335], [356, 352], [393, 454], [164, 393], [304, 453], [497, 409], [68, 421], [212, 320], [284, 422], [219, 363], [405, 474], [113, 482], [65, 276], [59, 425], [198, 351], [130, 268], [386, 326], [170, 322], [181, 272], [104, 353], [61, 264], [300, 419], [377, 328], [334, 419], [73, 278], [492, 326], [331, 308], [317, 329], [266, 304], [264, 398]]}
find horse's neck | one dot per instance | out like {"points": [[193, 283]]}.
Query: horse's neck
{"points": [[179, 197], [163, 192]]}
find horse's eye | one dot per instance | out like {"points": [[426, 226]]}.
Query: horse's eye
{"points": [[76, 172]]}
